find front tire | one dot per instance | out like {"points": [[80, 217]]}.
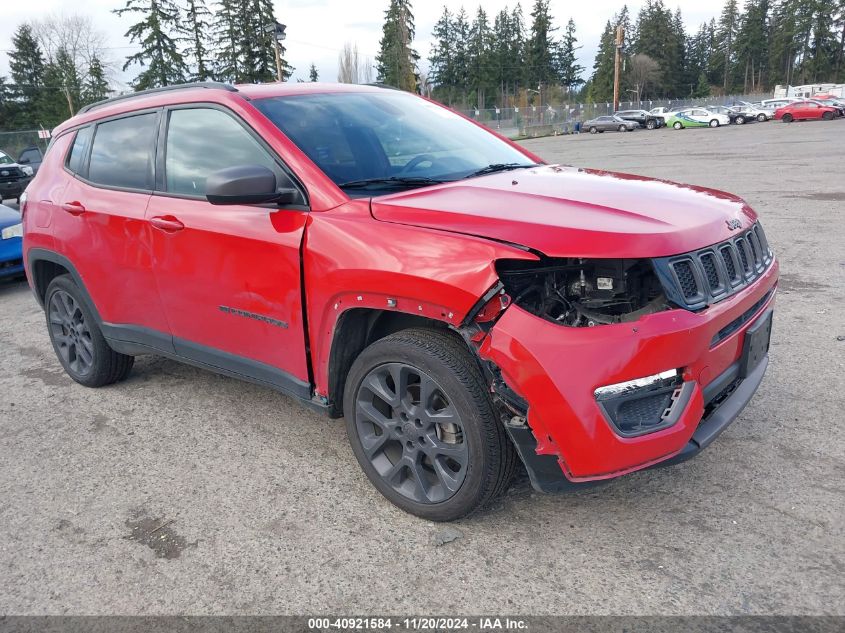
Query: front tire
{"points": [[677, 125], [650, 125], [761, 118], [593, 130], [714, 123], [423, 427], [622, 128], [827, 116], [740, 120], [77, 339], [788, 118]]}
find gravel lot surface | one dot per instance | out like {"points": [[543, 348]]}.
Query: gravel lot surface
{"points": [[264, 509]]}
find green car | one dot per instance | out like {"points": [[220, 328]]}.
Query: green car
{"points": [[696, 117]]}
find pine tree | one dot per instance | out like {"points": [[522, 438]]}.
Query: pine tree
{"points": [[752, 45], [397, 60], [62, 98], [225, 36], [478, 53], [601, 82], [157, 33], [541, 48], [96, 86], [197, 27], [725, 43], [443, 72], [569, 71], [313, 75], [26, 63]]}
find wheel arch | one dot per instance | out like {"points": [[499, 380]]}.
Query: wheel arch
{"points": [[355, 330], [45, 265]]}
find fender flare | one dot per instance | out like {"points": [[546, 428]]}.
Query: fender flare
{"points": [[35, 255]]}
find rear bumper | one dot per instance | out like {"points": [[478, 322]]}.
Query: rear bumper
{"points": [[556, 370]]}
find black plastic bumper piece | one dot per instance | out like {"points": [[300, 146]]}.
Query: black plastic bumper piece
{"points": [[713, 425], [545, 472]]}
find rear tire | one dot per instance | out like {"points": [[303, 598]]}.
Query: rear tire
{"points": [[440, 471], [788, 118], [77, 340]]}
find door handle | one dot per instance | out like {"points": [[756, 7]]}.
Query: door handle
{"points": [[74, 208], [167, 223]]}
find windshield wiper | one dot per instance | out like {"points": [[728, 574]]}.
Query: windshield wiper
{"points": [[398, 181], [492, 169]]}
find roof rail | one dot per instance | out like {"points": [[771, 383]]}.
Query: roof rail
{"points": [[141, 93]]}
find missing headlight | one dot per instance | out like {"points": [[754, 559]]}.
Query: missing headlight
{"points": [[583, 292]]}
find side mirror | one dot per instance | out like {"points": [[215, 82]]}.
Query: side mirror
{"points": [[247, 184]]}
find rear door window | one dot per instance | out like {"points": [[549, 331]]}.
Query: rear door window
{"points": [[122, 153]]}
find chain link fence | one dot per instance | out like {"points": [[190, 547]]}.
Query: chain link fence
{"points": [[560, 118], [13, 143]]}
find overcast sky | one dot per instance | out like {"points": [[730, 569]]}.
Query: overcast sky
{"points": [[317, 29]]}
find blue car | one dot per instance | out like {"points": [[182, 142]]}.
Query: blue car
{"points": [[11, 243]]}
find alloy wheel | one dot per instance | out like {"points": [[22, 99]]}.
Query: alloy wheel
{"points": [[411, 433], [71, 333]]}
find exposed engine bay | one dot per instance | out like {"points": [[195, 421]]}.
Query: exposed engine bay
{"points": [[584, 292]]}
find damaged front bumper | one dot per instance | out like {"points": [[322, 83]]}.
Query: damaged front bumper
{"points": [[571, 439]]}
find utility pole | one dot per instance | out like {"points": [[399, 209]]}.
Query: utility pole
{"points": [[617, 62], [277, 32]]}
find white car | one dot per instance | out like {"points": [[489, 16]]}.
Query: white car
{"points": [[750, 111], [696, 117], [770, 105]]}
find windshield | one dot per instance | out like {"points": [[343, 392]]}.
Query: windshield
{"points": [[5, 160], [387, 135]]}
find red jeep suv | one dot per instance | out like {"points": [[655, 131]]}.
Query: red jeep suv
{"points": [[465, 306]]}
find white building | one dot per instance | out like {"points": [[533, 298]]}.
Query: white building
{"points": [[809, 90]]}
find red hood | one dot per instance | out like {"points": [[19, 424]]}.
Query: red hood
{"points": [[570, 212]]}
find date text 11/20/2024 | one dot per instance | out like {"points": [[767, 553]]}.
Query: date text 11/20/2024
{"points": [[418, 624]]}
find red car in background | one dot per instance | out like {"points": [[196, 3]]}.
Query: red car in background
{"points": [[802, 110]]}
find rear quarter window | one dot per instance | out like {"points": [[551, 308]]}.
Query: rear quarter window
{"points": [[76, 155]]}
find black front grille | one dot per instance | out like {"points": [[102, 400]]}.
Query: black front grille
{"points": [[10, 174], [687, 279], [708, 260], [697, 279]]}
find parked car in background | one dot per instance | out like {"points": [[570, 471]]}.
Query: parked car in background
{"points": [[734, 116], [13, 177], [644, 118], [750, 111], [610, 122], [31, 156], [697, 117], [838, 106], [11, 239], [805, 110], [769, 106]]}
